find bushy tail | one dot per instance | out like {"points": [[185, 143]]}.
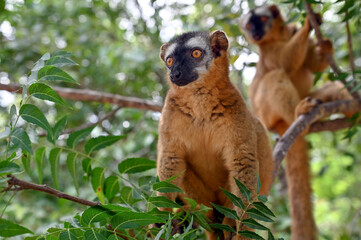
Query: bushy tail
{"points": [[299, 191]]}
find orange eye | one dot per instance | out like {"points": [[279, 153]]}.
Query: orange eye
{"points": [[170, 61], [196, 53], [264, 18], [248, 26]]}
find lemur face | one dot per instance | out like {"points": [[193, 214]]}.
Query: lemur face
{"points": [[258, 22], [187, 57]]}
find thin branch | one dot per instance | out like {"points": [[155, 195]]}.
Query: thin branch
{"points": [[329, 57], [17, 184], [91, 95], [297, 127], [349, 44]]}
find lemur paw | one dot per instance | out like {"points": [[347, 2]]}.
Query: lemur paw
{"points": [[324, 47], [306, 105]]}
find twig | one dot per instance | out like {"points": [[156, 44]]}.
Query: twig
{"points": [[297, 127], [17, 184], [349, 44], [91, 95], [328, 56]]}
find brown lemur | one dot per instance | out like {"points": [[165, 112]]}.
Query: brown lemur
{"points": [[281, 90], [206, 133]]}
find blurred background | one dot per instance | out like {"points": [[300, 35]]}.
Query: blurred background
{"points": [[116, 44]]}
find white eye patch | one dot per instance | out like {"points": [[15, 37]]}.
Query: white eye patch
{"points": [[196, 42], [263, 11], [170, 50]]}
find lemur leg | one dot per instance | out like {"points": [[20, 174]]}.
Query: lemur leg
{"points": [[276, 99], [332, 91], [242, 164], [170, 162]]}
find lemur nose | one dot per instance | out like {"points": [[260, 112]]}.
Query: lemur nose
{"points": [[177, 74]]}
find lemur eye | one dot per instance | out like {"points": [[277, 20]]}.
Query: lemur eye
{"points": [[264, 18], [170, 61], [248, 26], [196, 53]]}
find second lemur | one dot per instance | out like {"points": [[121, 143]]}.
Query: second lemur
{"points": [[281, 90]]}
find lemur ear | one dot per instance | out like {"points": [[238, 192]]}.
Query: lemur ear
{"points": [[163, 48], [219, 42], [274, 10]]}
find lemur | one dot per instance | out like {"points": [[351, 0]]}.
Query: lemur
{"points": [[206, 133], [281, 90]]}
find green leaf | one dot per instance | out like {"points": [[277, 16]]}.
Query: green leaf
{"points": [[236, 200], [25, 159], [44, 92], [72, 167], [135, 165], [193, 204], [39, 159], [250, 235], [262, 198], [158, 213], [93, 235], [226, 211], [7, 167], [244, 190], [32, 114], [162, 201], [12, 111], [62, 53], [11, 229], [263, 208], [256, 214], [59, 127], [67, 235], [100, 142], [60, 61], [111, 187], [51, 73], [75, 137], [54, 165], [222, 227], [202, 220], [86, 165], [21, 139], [12, 156], [133, 220], [97, 179], [166, 187], [270, 236], [96, 214], [253, 224]]}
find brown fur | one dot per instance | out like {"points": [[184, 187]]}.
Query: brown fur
{"points": [[283, 80], [208, 136]]}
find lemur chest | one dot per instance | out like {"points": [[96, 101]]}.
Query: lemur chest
{"points": [[202, 107]]}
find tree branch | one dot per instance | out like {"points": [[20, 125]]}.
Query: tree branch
{"points": [[17, 184], [297, 127], [91, 95], [329, 57], [349, 44]]}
